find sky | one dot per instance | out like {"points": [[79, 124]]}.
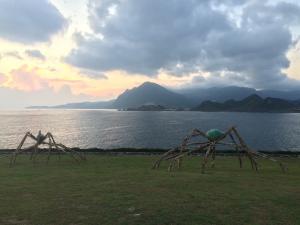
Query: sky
{"points": [[58, 51]]}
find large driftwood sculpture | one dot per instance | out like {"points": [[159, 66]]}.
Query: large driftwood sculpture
{"points": [[213, 138], [44, 140]]}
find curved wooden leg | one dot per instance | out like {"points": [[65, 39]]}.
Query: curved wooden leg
{"points": [[14, 155], [237, 149], [205, 160], [213, 157], [163, 157], [50, 149]]}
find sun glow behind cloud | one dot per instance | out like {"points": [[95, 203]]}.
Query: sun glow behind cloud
{"points": [[23, 72], [28, 74]]}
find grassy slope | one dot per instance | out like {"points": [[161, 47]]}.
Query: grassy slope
{"points": [[124, 190]]}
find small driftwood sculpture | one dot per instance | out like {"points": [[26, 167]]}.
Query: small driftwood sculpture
{"points": [[46, 140], [213, 138]]}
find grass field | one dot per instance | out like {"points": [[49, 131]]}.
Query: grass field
{"points": [[124, 190]]}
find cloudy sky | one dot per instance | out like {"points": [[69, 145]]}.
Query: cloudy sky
{"points": [[57, 51]]}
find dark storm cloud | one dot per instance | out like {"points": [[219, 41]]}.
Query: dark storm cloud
{"points": [[145, 36], [29, 21], [182, 37], [35, 54], [259, 54], [257, 49]]}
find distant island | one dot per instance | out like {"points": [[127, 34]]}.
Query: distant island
{"points": [[153, 97], [152, 107], [147, 108], [252, 103]]}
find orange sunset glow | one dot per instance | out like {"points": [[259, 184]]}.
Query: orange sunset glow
{"points": [[64, 59]]}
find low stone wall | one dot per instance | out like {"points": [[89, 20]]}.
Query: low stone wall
{"points": [[137, 151]]}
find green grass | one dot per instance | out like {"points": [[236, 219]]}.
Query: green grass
{"points": [[124, 190]]}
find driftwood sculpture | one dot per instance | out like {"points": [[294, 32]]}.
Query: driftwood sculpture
{"points": [[213, 138], [44, 140]]}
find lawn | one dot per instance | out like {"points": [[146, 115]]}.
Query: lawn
{"points": [[125, 190]]}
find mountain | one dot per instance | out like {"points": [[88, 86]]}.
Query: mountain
{"points": [[221, 94], [151, 93], [146, 94], [252, 103], [289, 95]]}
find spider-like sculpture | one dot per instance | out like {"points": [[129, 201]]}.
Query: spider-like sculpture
{"points": [[46, 140], [214, 138]]}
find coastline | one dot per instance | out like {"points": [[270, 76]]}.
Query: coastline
{"points": [[157, 151]]}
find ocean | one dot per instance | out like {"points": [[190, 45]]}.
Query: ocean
{"points": [[110, 129]]}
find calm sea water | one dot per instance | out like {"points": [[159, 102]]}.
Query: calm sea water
{"points": [[114, 129]]}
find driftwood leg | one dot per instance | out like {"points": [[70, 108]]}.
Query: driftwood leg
{"points": [[165, 155], [239, 156], [213, 157], [70, 151], [32, 152], [258, 154], [13, 158], [206, 158], [14, 155], [179, 162], [170, 166], [176, 154], [178, 159], [50, 149], [36, 150], [172, 163], [253, 162], [237, 149], [62, 148]]}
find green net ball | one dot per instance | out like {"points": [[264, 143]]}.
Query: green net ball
{"points": [[214, 134]]}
